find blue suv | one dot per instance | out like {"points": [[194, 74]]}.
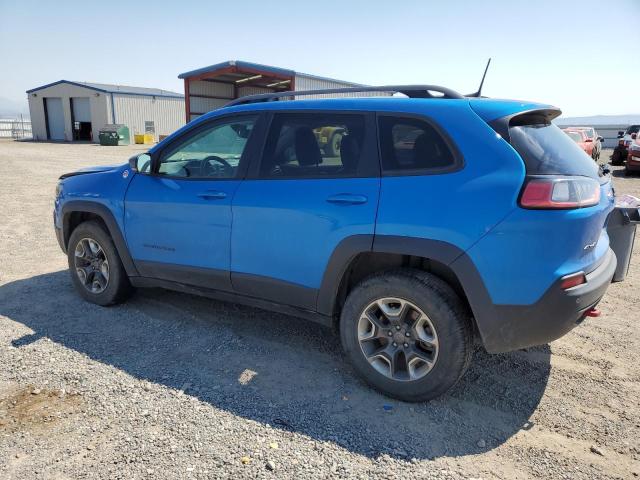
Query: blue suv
{"points": [[413, 225]]}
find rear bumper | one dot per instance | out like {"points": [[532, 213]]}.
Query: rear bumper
{"points": [[513, 327], [633, 163]]}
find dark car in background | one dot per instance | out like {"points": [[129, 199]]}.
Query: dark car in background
{"points": [[629, 135], [625, 139]]}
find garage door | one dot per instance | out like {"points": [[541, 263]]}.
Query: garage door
{"points": [[55, 118], [81, 109]]}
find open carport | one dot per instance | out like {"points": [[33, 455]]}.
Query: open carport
{"points": [[212, 87]]}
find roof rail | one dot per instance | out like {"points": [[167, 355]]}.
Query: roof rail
{"points": [[411, 91]]}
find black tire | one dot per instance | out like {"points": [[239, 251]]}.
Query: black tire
{"points": [[448, 314], [118, 287]]}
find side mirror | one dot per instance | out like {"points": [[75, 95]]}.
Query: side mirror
{"points": [[140, 163], [620, 133], [601, 139]]}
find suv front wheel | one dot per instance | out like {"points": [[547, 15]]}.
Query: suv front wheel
{"points": [[95, 266], [407, 334]]}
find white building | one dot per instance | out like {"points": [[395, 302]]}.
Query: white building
{"points": [[72, 111], [214, 86]]}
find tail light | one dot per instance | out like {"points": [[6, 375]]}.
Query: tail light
{"points": [[560, 192]]}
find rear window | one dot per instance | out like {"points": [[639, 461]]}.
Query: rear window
{"points": [[547, 150]]}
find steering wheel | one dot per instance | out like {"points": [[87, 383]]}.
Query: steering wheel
{"points": [[205, 166]]}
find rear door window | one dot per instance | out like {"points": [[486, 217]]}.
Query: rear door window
{"points": [[547, 150], [314, 145]]}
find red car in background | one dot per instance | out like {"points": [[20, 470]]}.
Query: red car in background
{"points": [[592, 136], [580, 137]]}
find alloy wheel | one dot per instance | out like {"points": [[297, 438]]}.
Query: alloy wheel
{"points": [[398, 339], [91, 265]]}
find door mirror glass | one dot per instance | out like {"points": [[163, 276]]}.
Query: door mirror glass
{"points": [[141, 163]]}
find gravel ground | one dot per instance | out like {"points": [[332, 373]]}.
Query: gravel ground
{"points": [[174, 386]]}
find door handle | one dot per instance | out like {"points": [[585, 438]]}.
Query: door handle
{"points": [[212, 195], [347, 199]]}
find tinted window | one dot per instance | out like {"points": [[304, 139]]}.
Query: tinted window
{"points": [[313, 146], [546, 150], [412, 144], [213, 152]]}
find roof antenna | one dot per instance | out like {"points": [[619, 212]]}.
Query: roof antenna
{"points": [[478, 93]]}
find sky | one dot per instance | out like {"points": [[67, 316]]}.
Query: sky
{"points": [[582, 56]]}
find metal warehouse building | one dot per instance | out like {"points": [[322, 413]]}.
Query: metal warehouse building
{"points": [[72, 111], [211, 87]]}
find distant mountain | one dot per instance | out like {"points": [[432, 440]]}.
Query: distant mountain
{"points": [[13, 109], [599, 120]]}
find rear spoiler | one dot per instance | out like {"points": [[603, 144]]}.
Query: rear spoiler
{"points": [[527, 117]]}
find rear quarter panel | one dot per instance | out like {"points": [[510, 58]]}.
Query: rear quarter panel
{"points": [[459, 207], [529, 250]]}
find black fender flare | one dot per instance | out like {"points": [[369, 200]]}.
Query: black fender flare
{"points": [[109, 220], [450, 255]]}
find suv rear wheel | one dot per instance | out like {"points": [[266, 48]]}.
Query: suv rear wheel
{"points": [[95, 266], [407, 334]]}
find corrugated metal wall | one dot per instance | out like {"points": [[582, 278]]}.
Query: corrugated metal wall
{"points": [[201, 93], [133, 110], [205, 96], [309, 82], [244, 91]]}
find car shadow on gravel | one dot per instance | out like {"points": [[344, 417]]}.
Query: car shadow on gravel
{"points": [[278, 370], [621, 173]]}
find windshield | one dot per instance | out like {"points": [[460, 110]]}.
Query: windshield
{"points": [[633, 129], [547, 150]]}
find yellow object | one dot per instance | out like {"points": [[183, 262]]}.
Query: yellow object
{"points": [[144, 138]]}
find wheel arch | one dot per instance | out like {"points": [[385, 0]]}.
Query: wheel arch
{"points": [[356, 258], [77, 211]]}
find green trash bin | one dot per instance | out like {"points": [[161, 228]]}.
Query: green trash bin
{"points": [[114, 135]]}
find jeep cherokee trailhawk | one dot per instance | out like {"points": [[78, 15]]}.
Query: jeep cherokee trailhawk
{"points": [[435, 219]]}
